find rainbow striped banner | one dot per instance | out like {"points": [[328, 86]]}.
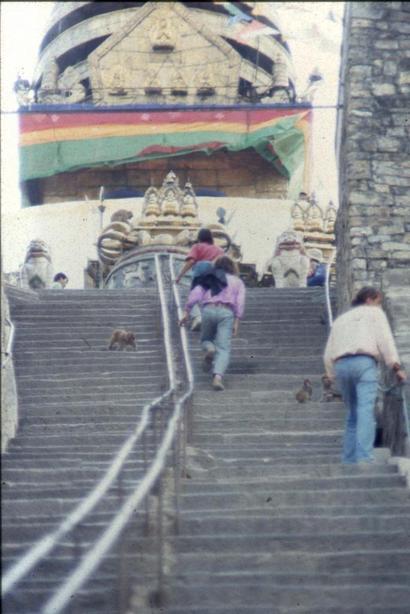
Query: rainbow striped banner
{"points": [[57, 142]]}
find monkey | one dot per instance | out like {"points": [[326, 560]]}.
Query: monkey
{"points": [[122, 215], [122, 340], [329, 393], [305, 393]]}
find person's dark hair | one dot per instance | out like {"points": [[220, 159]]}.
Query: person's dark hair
{"points": [[205, 236], [226, 264], [59, 276], [365, 293]]}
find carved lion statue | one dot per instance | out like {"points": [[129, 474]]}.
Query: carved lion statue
{"points": [[37, 270], [290, 265]]}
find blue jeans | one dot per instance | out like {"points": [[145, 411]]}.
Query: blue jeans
{"points": [[357, 380], [216, 335]]}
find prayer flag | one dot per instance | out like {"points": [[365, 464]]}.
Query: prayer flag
{"points": [[58, 141], [235, 11], [254, 29]]}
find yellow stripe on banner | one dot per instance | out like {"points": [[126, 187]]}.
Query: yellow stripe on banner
{"points": [[115, 130]]}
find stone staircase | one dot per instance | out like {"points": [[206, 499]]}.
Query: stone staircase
{"points": [[271, 521], [77, 402]]}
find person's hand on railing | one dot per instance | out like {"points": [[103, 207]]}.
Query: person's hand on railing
{"points": [[184, 319], [399, 372]]}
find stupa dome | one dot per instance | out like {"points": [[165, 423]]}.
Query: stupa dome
{"points": [[163, 52]]}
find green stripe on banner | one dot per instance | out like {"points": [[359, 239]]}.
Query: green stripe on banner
{"points": [[281, 144]]}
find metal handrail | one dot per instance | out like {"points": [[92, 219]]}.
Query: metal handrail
{"points": [[93, 558], [8, 351], [400, 386], [47, 543], [184, 336], [327, 290], [405, 407]]}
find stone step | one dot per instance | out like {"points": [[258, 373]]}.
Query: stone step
{"points": [[274, 499], [268, 544], [325, 510], [46, 388], [255, 609], [244, 406], [299, 562], [34, 477], [43, 423], [53, 506], [265, 422], [264, 349], [236, 525], [80, 317], [273, 483], [275, 438], [134, 400], [316, 598], [241, 469], [150, 391]]}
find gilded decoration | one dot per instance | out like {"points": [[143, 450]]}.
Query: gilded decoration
{"points": [[170, 217], [316, 225], [172, 57]]}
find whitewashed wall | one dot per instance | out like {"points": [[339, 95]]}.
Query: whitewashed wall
{"points": [[71, 229]]}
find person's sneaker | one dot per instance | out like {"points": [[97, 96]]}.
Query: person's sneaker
{"points": [[217, 383], [196, 324], [208, 360]]}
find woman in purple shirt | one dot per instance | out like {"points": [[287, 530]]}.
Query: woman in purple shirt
{"points": [[221, 313]]}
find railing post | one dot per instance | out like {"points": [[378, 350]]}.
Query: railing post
{"points": [[159, 595], [146, 499], [177, 474]]}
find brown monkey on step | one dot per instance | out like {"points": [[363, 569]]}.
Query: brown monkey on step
{"points": [[329, 393], [305, 393], [122, 340]]}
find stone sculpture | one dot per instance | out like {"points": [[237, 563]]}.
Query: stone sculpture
{"points": [[280, 77], [189, 207], [71, 90], [169, 220], [330, 218], [49, 92], [23, 91], [289, 264], [114, 239], [314, 216], [151, 202], [37, 270]]}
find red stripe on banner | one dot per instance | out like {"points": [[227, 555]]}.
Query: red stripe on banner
{"points": [[34, 122], [161, 149]]}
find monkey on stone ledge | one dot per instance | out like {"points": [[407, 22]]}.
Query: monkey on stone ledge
{"points": [[305, 393]]}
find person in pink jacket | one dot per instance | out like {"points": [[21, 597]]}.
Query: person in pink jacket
{"points": [[358, 339], [221, 312]]}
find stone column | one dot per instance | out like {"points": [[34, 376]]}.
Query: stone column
{"points": [[373, 223], [373, 226]]}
